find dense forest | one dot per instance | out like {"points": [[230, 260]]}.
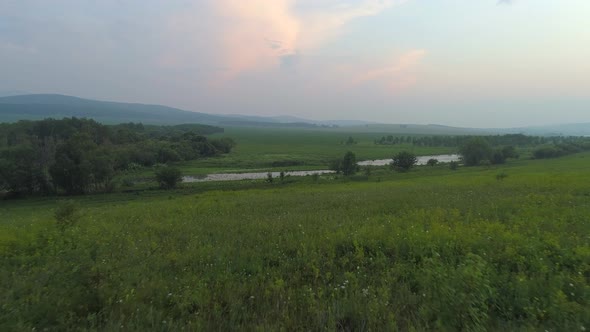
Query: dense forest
{"points": [[78, 156]]}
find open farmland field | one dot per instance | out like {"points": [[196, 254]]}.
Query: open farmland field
{"points": [[432, 249]]}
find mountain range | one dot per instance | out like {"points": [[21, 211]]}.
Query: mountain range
{"points": [[40, 106]]}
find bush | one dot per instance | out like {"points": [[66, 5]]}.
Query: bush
{"points": [[474, 151], [347, 165], [432, 162], [453, 165], [548, 152], [501, 176], [168, 177], [498, 157], [403, 161]]}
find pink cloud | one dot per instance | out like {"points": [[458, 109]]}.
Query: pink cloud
{"points": [[241, 36], [397, 74], [257, 33]]}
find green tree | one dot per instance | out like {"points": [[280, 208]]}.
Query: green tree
{"points": [[72, 170], [474, 151], [168, 177], [432, 162], [403, 161], [348, 165], [498, 157], [510, 152]]}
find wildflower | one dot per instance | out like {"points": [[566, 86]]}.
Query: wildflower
{"points": [[365, 292]]}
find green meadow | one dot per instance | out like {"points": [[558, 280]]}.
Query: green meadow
{"points": [[480, 248], [297, 149]]}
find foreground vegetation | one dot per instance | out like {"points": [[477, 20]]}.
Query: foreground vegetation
{"points": [[483, 248]]}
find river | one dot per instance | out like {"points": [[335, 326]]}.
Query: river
{"points": [[422, 160]]}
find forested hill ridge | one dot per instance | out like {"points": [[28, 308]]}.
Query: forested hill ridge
{"points": [[40, 106], [78, 156]]}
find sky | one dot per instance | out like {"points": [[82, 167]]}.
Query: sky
{"points": [[476, 63]]}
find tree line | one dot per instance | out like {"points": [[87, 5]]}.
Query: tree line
{"points": [[456, 141], [480, 150], [78, 156]]}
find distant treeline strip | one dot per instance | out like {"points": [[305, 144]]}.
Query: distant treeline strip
{"points": [[78, 156], [519, 140], [546, 147]]}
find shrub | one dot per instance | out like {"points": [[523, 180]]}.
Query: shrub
{"points": [[501, 176], [347, 165], [432, 162], [168, 177], [498, 157], [403, 161], [474, 151]]}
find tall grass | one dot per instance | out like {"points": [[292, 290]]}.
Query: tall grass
{"points": [[456, 251]]}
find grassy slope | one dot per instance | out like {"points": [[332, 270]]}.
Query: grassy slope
{"points": [[432, 249]]}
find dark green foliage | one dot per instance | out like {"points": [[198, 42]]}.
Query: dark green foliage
{"points": [[498, 157], [80, 156], [562, 149], [315, 177], [348, 165], [510, 152], [336, 165], [269, 177], [453, 165], [474, 151], [224, 144], [454, 141], [404, 161], [350, 141], [501, 176], [168, 177], [432, 162]]}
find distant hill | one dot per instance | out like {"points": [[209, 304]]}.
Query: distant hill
{"points": [[569, 129], [34, 107], [41, 106]]}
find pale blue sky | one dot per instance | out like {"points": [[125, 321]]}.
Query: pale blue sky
{"points": [[455, 62]]}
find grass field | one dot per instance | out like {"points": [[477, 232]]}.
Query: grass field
{"points": [[300, 149], [432, 249]]}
